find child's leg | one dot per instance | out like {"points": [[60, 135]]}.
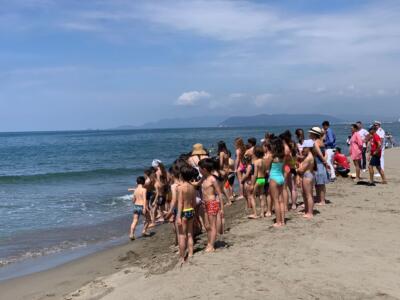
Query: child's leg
{"points": [[275, 198], [133, 226], [182, 238], [190, 243], [269, 205], [382, 173], [357, 166], [293, 190], [308, 197], [212, 233], [371, 173], [262, 203], [282, 205], [146, 222], [239, 177], [322, 194], [253, 205]]}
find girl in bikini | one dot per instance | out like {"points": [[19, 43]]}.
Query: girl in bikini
{"points": [[275, 165], [240, 167], [306, 172], [223, 157], [259, 180], [212, 197], [247, 181]]}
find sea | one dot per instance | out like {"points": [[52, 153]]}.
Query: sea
{"points": [[64, 194]]}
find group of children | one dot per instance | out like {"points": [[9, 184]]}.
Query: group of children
{"points": [[191, 194]]}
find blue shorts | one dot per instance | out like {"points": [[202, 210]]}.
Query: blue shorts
{"points": [[375, 161], [138, 209]]}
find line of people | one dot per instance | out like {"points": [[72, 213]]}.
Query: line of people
{"points": [[194, 192]]}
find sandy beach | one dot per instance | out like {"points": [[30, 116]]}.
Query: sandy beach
{"points": [[350, 250]]}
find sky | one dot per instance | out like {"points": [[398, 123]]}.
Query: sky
{"points": [[100, 64]]}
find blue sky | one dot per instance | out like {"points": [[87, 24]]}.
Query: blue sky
{"points": [[100, 64]]}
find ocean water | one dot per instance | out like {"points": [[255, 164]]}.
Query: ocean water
{"points": [[61, 191]]}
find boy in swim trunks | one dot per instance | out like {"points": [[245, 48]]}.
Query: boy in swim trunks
{"points": [[258, 179], [214, 207], [306, 172], [185, 215], [139, 206]]}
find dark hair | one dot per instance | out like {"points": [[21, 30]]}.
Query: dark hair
{"points": [[259, 152], [355, 126], [338, 150], [222, 147], [149, 171], [229, 154], [359, 122], [252, 141], [325, 123], [299, 131], [208, 164], [286, 136], [277, 148], [188, 173], [140, 180], [163, 176]]}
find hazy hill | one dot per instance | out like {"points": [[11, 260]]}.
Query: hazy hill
{"points": [[278, 120]]}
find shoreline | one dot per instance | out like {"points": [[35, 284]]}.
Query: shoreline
{"points": [[349, 250]]}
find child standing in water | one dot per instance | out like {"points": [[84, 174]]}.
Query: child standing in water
{"points": [[259, 180], [185, 215], [306, 172], [277, 180], [139, 206], [214, 207]]}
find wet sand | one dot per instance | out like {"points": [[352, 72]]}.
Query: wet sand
{"points": [[350, 250]]}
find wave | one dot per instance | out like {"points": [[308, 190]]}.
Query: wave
{"points": [[73, 175]]}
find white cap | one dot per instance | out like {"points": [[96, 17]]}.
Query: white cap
{"points": [[308, 144], [377, 122], [155, 163]]}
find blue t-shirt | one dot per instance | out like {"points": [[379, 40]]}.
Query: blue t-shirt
{"points": [[330, 139]]}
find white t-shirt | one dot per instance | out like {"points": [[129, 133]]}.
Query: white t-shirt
{"points": [[363, 133], [381, 133]]}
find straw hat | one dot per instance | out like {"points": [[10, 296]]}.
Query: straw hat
{"points": [[198, 150], [316, 130]]}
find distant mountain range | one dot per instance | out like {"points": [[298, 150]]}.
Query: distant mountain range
{"points": [[278, 120], [237, 121]]}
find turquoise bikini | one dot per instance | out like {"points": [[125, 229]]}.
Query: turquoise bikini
{"points": [[276, 173]]}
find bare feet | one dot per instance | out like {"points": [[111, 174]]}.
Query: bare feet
{"points": [[132, 237], [276, 225], [152, 225], [268, 214], [384, 182], [209, 249], [228, 203], [321, 203], [308, 216], [145, 234], [252, 217], [294, 206]]}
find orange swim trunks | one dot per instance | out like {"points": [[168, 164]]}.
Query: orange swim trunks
{"points": [[212, 207]]}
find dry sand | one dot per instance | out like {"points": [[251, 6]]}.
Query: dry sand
{"points": [[350, 250]]}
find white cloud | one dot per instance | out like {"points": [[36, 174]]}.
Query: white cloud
{"points": [[236, 95], [263, 99], [192, 98]]}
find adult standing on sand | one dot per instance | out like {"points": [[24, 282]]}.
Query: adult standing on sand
{"points": [[381, 133], [375, 160], [330, 146], [364, 135], [321, 175], [240, 168], [198, 153], [356, 149]]}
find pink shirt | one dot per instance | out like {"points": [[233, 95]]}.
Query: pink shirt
{"points": [[356, 146]]}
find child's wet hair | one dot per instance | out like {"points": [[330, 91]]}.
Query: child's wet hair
{"points": [[208, 164], [277, 148], [188, 173], [140, 180], [252, 141], [259, 152]]}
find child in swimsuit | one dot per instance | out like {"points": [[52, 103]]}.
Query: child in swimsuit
{"points": [[275, 165], [247, 181], [259, 180], [139, 206], [185, 215], [214, 206], [306, 172]]}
